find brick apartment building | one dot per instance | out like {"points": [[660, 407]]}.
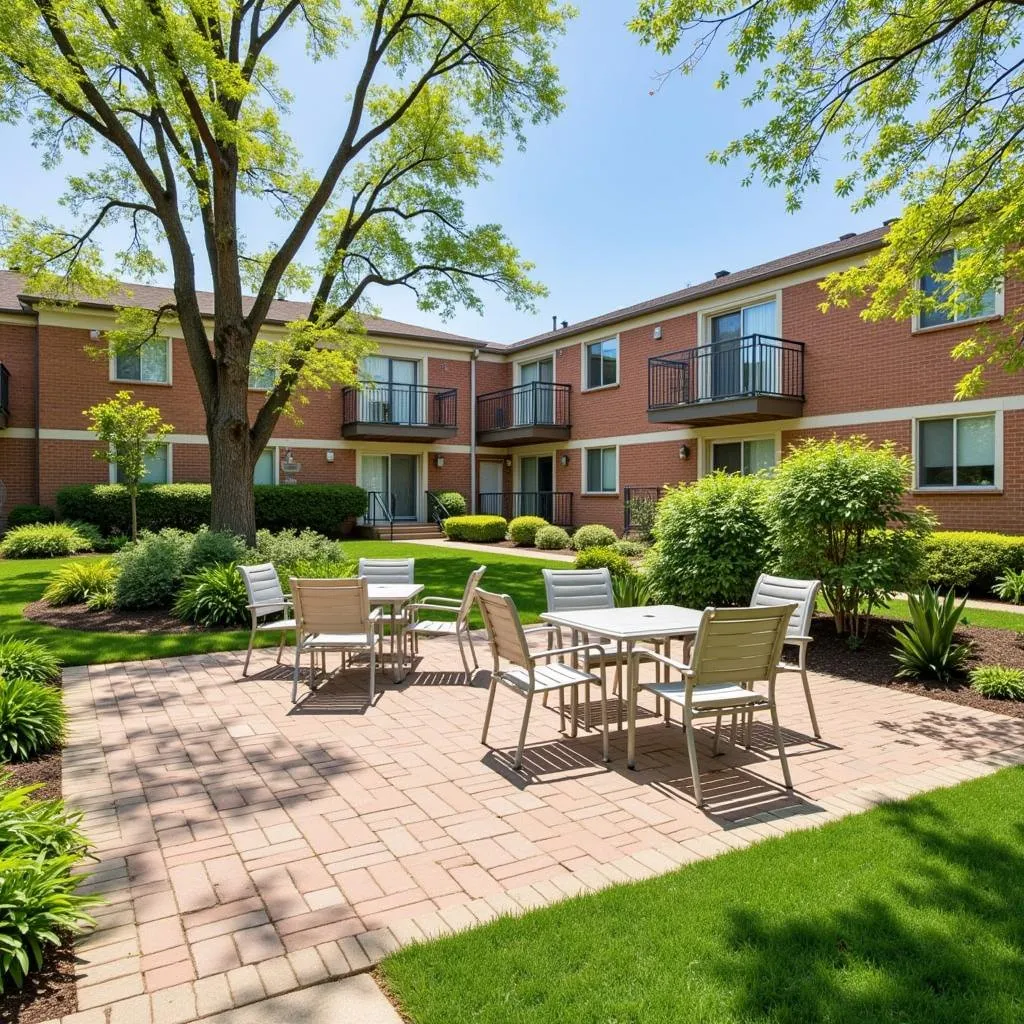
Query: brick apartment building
{"points": [[724, 374]]}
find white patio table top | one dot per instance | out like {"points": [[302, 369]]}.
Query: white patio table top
{"points": [[394, 596], [628, 625]]}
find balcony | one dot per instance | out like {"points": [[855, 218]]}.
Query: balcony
{"points": [[527, 414], [746, 380], [5, 395], [554, 506], [399, 412]]}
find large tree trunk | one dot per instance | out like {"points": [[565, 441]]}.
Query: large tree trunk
{"points": [[232, 457]]}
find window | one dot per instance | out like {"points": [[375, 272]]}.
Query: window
{"points": [[602, 358], [940, 291], [158, 467], [746, 457], [262, 378], [957, 452], [148, 364], [264, 470], [602, 470]]}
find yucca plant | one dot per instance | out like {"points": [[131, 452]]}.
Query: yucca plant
{"points": [[27, 659], [213, 596], [40, 905], [32, 719], [927, 647], [1010, 586], [76, 582]]}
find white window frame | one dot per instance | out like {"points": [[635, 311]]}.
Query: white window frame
{"points": [[112, 466], [993, 488], [585, 360], [585, 472], [114, 379], [275, 449], [999, 309]]}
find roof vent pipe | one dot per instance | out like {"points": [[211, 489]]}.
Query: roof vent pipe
{"points": [[849, 234], [565, 323], [554, 323], [721, 273]]}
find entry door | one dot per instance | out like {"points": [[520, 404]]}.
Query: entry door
{"points": [[374, 474], [745, 357], [404, 488], [535, 405], [536, 484], [726, 332], [492, 484]]}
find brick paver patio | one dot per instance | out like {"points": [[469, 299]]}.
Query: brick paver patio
{"points": [[247, 848]]}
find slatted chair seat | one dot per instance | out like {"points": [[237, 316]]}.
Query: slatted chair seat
{"points": [[715, 695], [546, 677]]}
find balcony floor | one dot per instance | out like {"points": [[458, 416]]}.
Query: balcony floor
{"points": [[509, 437], [396, 432], [721, 411]]}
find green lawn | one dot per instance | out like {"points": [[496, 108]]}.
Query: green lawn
{"points": [[911, 913], [442, 571], [994, 618]]}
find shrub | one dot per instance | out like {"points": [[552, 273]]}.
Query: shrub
{"points": [[522, 531], [478, 529], [88, 532], [44, 540], [321, 507], [632, 590], [41, 905], [643, 513], [213, 596], [551, 538], [604, 558], [29, 515], [711, 541], [101, 601], [287, 547], [210, 547], [454, 502], [76, 582], [1010, 586], [998, 682], [32, 718], [27, 659], [593, 536], [837, 515], [927, 649], [630, 548], [150, 569], [322, 569], [969, 560]]}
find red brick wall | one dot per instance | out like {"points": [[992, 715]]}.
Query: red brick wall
{"points": [[17, 471]]}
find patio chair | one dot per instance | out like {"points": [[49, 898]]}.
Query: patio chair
{"points": [[771, 591], [267, 604], [333, 615], [460, 607], [734, 648], [387, 570], [507, 639], [583, 590]]}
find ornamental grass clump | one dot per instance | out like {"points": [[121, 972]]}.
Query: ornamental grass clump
{"points": [[79, 581], [212, 597], [32, 719], [44, 540], [27, 659], [998, 682]]}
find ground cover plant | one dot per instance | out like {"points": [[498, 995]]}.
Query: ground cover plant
{"points": [[910, 912], [998, 682]]}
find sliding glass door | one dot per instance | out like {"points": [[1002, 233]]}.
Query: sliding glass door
{"points": [[744, 357]]}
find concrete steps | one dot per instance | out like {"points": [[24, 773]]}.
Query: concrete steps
{"points": [[408, 531]]}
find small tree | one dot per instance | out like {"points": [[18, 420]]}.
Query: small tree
{"points": [[711, 541], [131, 432], [836, 513]]}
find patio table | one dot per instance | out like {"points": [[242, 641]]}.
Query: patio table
{"points": [[627, 626], [394, 596]]}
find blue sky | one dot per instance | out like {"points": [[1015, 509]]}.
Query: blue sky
{"points": [[614, 201]]}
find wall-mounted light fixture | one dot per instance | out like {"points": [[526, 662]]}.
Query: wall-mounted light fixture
{"points": [[684, 451], [508, 463], [329, 455], [439, 461], [563, 459], [657, 333]]}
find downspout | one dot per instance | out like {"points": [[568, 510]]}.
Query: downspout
{"points": [[37, 469], [474, 355]]}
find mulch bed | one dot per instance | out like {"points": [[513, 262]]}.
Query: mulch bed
{"points": [[78, 616], [49, 993], [872, 662]]}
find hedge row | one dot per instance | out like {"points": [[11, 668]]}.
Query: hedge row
{"points": [[320, 507], [479, 529], [971, 561]]}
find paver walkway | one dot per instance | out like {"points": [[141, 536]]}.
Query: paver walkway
{"points": [[248, 848], [492, 549]]}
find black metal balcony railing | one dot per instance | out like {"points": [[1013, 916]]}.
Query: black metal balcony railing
{"points": [[400, 405], [538, 404], [554, 506], [753, 366], [5, 391]]}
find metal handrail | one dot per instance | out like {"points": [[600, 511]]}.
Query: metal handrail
{"points": [[554, 506], [402, 405], [376, 505], [539, 403], [437, 510], [752, 366]]}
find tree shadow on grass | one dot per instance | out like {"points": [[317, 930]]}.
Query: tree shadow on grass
{"points": [[941, 941]]}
